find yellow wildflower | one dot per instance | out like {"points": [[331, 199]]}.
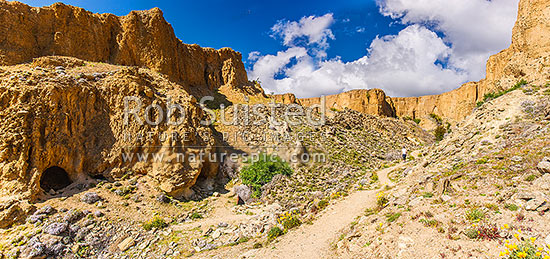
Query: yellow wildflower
{"points": [[519, 230], [506, 226], [533, 239], [513, 247], [521, 254], [538, 254], [517, 236], [540, 249]]}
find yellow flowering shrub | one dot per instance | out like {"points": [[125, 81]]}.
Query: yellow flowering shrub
{"points": [[289, 220], [525, 248], [381, 200]]}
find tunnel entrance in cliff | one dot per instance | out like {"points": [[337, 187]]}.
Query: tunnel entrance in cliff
{"points": [[54, 178]]}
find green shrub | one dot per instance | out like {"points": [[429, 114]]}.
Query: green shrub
{"points": [[439, 132], [511, 207], [408, 118], [196, 215], [393, 216], [530, 178], [430, 222], [436, 117], [475, 215], [322, 204], [427, 195], [274, 232], [374, 177], [262, 171], [381, 200], [291, 222], [471, 233], [156, 222], [482, 161]]}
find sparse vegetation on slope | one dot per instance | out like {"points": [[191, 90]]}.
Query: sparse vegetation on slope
{"points": [[492, 96], [258, 173]]}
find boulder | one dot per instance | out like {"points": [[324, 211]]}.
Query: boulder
{"points": [[243, 193], [126, 244], [56, 229], [544, 165], [90, 198]]}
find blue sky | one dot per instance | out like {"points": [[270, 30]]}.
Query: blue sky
{"points": [[312, 48], [245, 25]]}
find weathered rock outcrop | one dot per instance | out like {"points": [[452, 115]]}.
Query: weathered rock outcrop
{"points": [[141, 38], [372, 101], [527, 58], [72, 119]]}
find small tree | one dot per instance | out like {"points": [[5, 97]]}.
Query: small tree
{"points": [[439, 132], [262, 171]]}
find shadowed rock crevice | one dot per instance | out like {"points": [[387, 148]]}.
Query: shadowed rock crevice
{"points": [[54, 178]]}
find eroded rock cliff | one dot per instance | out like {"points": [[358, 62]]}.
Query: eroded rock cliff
{"points": [[373, 101], [527, 58], [67, 117], [141, 38]]}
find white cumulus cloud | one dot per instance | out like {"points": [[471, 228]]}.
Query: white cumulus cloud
{"points": [[475, 29], [414, 62], [315, 30]]}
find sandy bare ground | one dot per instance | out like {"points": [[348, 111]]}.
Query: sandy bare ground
{"points": [[314, 240]]}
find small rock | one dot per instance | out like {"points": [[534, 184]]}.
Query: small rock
{"points": [[544, 207], [217, 233], [544, 165], [56, 229], [56, 249], [73, 215], [45, 210], [244, 193], [517, 159], [38, 249], [216, 194], [446, 197], [533, 204], [524, 196], [126, 244], [90, 198], [223, 225], [98, 213], [36, 218], [163, 198]]}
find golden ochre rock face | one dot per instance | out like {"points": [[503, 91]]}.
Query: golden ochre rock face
{"points": [[65, 116], [527, 58], [141, 38]]}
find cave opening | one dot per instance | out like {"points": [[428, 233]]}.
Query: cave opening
{"points": [[54, 178]]}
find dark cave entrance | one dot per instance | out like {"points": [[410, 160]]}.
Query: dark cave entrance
{"points": [[54, 178]]}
